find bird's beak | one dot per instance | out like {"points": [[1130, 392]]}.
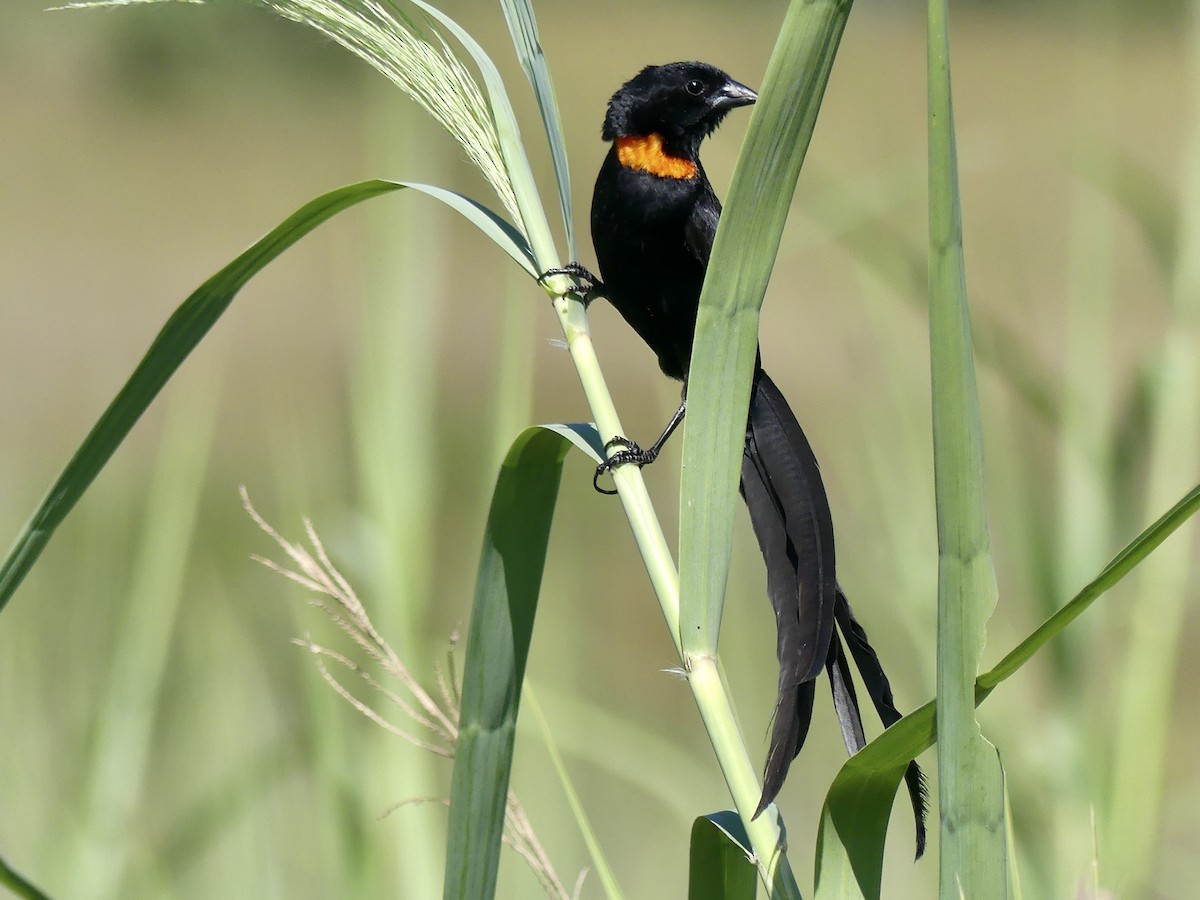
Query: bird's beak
{"points": [[733, 94]]}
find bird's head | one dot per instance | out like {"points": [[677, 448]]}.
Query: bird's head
{"points": [[683, 102]]}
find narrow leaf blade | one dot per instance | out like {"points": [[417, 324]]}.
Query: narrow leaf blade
{"points": [[184, 330], [970, 795], [506, 595], [604, 871], [722, 362], [18, 884], [727, 324], [523, 27]]}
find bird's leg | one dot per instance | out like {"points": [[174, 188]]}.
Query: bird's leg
{"points": [[588, 286], [635, 455]]}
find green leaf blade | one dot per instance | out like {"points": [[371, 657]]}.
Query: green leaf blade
{"points": [[722, 363], [854, 819], [970, 784], [506, 595], [18, 884], [719, 866], [604, 871], [184, 331], [523, 27], [726, 339]]}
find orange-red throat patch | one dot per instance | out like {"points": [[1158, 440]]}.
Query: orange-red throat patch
{"points": [[645, 153]]}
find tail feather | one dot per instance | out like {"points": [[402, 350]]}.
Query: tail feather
{"points": [[781, 484], [869, 668], [876, 682], [793, 714], [845, 701]]}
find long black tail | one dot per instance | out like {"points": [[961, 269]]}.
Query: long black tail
{"points": [[781, 483]]}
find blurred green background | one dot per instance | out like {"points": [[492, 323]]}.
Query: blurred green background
{"points": [[162, 737]]}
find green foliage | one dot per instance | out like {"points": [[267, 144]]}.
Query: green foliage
{"points": [[600, 863], [854, 819], [120, 758]]}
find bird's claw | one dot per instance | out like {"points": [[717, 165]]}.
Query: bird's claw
{"points": [[631, 455], [587, 286]]}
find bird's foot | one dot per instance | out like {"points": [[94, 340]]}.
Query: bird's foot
{"points": [[587, 286], [631, 455]]}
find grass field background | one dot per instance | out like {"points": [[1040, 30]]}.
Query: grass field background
{"points": [[162, 737]]}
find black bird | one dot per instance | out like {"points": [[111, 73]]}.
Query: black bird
{"points": [[654, 215]]}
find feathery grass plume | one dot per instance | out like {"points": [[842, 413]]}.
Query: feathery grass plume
{"points": [[439, 717], [425, 68]]}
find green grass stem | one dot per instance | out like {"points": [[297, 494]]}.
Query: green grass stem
{"points": [[604, 871]]}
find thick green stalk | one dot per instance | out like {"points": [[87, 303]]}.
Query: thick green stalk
{"points": [[710, 690], [970, 782], [708, 685]]}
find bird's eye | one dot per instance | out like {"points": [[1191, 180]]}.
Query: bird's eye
{"points": [[695, 87]]}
